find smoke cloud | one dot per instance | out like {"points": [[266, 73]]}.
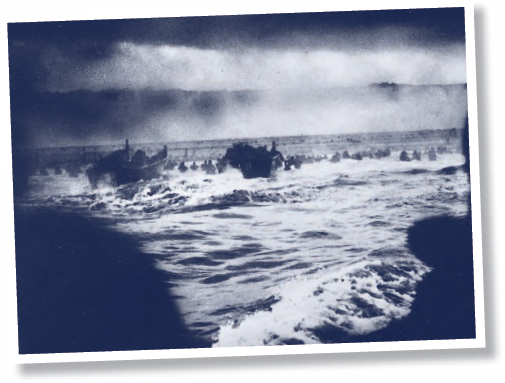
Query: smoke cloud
{"points": [[134, 66], [245, 76]]}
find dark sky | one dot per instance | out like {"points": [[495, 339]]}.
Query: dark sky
{"points": [[82, 82]]}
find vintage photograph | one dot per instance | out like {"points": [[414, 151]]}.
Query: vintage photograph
{"points": [[242, 180]]}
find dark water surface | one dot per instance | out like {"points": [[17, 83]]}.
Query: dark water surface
{"points": [[82, 287]]}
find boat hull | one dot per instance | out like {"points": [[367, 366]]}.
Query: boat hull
{"points": [[119, 170]]}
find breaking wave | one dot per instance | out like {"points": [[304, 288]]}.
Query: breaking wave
{"points": [[276, 261]]}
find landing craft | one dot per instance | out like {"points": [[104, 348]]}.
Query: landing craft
{"points": [[253, 162], [123, 170]]}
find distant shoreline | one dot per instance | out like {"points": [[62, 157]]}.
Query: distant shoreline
{"points": [[435, 133]]}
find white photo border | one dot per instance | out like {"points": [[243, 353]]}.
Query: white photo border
{"points": [[225, 8]]}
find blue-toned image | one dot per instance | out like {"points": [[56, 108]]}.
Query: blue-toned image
{"points": [[249, 180]]}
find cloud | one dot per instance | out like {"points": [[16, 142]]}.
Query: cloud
{"points": [[137, 66]]}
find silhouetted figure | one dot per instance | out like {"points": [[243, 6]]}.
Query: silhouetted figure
{"points": [[211, 169], [309, 160], [278, 158], [277, 162], [416, 155], [335, 158], [182, 167], [194, 166], [274, 152], [346, 155], [357, 156], [404, 156], [293, 161], [221, 165], [382, 153], [432, 156]]}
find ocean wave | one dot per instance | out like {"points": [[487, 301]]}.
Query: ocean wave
{"points": [[356, 300], [287, 260]]}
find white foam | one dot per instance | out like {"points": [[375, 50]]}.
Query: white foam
{"points": [[310, 242]]}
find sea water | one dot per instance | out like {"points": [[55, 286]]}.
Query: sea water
{"points": [[270, 261]]}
